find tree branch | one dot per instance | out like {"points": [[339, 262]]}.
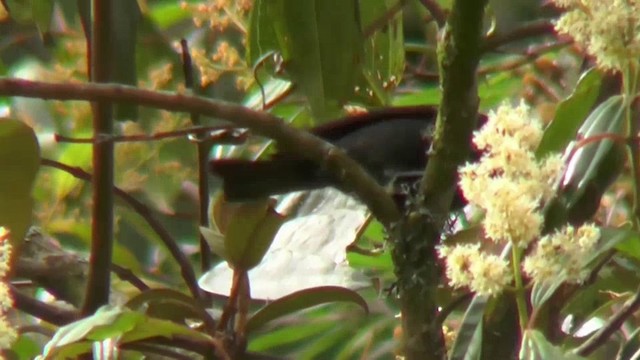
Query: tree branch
{"points": [[415, 257], [102, 218], [334, 159]]}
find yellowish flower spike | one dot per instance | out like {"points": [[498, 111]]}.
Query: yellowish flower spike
{"points": [[467, 266], [7, 333], [609, 30], [509, 183], [563, 254]]}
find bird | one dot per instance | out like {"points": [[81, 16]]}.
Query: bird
{"points": [[390, 143]]}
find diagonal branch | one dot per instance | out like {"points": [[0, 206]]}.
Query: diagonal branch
{"points": [[332, 158]]}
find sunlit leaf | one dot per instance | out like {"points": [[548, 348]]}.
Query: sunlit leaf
{"points": [[19, 163]]}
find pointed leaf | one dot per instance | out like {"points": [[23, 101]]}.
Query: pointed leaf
{"points": [[468, 343], [384, 61], [215, 240], [169, 304], [302, 300], [321, 43], [536, 347], [570, 114]]}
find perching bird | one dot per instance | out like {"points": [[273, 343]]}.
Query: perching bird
{"points": [[390, 144]]}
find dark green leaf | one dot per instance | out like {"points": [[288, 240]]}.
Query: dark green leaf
{"points": [[321, 43], [536, 347], [468, 343], [630, 348], [570, 114], [42, 12], [384, 61], [302, 300], [169, 305]]}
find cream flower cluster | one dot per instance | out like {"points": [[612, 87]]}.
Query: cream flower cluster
{"points": [[608, 29], [511, 186], [509, 183], [468, 266], [563, 254]]}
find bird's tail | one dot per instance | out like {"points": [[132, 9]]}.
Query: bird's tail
{"points": [[249, 180]]}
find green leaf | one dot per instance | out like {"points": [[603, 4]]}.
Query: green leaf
{"points": [[123, 323], [536, 347], [215, 240], [273, 89], [468, 343], [321, 44], [262, 38], [77, 154], [19, 163], [630, 348], [301, 300], [109, 322], [250, 232], [570, 114], [20, 10], [630, 246], [170, 305], [168, 14], [384, 61], [596, 161], [42, 12], [79, 330], [293, 334], [382, 262], [24, 348], [493, 89]]}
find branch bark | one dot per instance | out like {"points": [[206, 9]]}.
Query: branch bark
{"points": [[99, 282], [417, 235], [289, 138]]}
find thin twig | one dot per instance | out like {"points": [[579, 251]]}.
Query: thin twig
{"points": [[36, 329], [533, 29], [185, 265], [219, 134], [527, 57], [128, 276], [47, 312], [203, 147]]}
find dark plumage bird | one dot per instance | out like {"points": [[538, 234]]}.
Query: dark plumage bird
{"points": [[390, 144]]}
